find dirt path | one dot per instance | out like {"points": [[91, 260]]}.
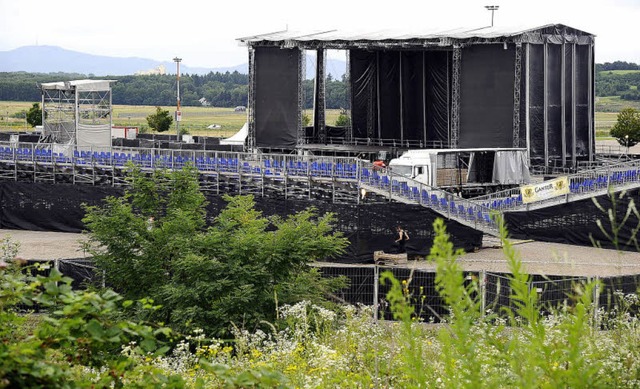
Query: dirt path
{"points": [[46, 245]]}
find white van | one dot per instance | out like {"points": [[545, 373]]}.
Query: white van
{"points": [[459, 168]]}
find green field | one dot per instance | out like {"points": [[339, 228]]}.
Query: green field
{"points": [[618, 72], [194, 119]]}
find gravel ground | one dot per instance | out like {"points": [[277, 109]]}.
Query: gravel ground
{"points": [[549, 259], [538, 257], [46, 245]]}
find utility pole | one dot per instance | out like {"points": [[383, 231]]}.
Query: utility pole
{"points": [[178, 113], [492, 8]]}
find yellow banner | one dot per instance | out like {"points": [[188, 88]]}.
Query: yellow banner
{"points": [[546, 190]]}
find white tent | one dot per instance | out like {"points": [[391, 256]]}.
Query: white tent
{"points": [[238, 138]]}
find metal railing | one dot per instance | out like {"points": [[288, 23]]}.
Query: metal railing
{"points": [[590, 182], [204, 160], [401, 188]]}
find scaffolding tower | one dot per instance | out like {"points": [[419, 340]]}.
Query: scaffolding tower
{"points": [[77, 113]]}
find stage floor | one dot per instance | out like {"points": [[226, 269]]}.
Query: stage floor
{"points": [[538, 257]]}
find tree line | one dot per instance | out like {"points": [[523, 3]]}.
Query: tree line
{"points": [[215, 89], [623, 84], [231, 89]]}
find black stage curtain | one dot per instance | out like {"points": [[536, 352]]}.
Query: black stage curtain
{"points": [[486, 96], [583, 68], [401, 94], [276, 96], [438, 87], [554, 101], [413, 107], [536, 103], [364, 109]]}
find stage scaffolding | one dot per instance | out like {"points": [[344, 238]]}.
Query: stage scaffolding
{"points": [[77, 113], [457, 88]]}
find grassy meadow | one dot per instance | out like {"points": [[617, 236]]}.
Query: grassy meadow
{"points": [[194, 119], [619, 72]]}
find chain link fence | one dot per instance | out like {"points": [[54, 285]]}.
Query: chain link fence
{"points": [[365, 287], [494, 289]]}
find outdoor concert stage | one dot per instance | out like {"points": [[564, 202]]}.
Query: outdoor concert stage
{"points": [[486, 87]]}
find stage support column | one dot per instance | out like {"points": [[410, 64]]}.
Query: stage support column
{"points": [[401, 98], [349, 97], [455, 97], [545, 105], [574, 100], [424, 101], [528, 102], [591, 99], [319, 97], [516, 95], [251, 111], [379, 116], [563, 105], [301, 70]]}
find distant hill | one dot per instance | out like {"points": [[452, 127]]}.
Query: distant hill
{"points": [[53, 59]]}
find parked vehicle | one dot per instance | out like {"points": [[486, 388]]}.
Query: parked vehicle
{"points": [[469, 172]]}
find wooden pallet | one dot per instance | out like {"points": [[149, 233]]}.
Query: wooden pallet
{"points": [[387, 258]]}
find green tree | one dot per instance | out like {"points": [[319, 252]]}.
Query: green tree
{"points": [[627, 128], [78, 327], [160, 121], [34, 115], [343, 119], [153, 241]]}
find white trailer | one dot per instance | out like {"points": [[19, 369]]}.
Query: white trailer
{"points": [[467, 171]]}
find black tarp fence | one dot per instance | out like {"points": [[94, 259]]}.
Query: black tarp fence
{"points": [[369, 227], [276, 96], [576, 222]]}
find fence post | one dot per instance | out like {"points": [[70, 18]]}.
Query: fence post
{"points": [[596, 302], [482, 275], [56, 264], [376, 287]]}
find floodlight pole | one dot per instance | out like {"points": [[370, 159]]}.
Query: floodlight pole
{"points": [[178, 113], [492, 8], [626, 143]]}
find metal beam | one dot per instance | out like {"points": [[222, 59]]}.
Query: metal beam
{"points": [[574, 100], [545, 78], [319, 96], [251, 111], [516, 95], [528, 102], [563, 97], [301, 75], [455, 97]]}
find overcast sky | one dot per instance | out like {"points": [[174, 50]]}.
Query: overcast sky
{"points": [[203, 33]]}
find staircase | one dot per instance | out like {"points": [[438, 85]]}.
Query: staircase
{"points": [[480, 212]]}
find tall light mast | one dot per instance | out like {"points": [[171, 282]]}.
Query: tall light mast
{"points": [[492, 8], [178, 113]]}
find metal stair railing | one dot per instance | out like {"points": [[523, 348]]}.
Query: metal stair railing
{"points": [[584, 184], [404, 189]]}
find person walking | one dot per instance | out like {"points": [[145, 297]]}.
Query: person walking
{"points": [[401, 239]]}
